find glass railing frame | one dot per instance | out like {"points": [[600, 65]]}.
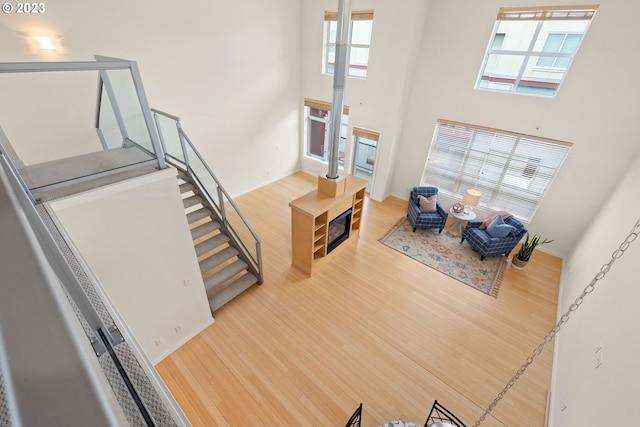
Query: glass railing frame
{"points": [[255, 263], [101, 65]]}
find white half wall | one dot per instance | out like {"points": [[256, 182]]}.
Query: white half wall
{"points": [[609, 316], [135, 238]]}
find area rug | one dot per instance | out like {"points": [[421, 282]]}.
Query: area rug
{"points": [[446, 254]]}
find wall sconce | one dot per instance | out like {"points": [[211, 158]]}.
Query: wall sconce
{"points": [[41, 43], [45, 43]]}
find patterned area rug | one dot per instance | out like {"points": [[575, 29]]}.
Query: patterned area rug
{"points": [[444, 253]]}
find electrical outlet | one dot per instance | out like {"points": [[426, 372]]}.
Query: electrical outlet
{"points": [[597, 348], [186, 282], [563, 407], [158, 342], [178, 329], [599, 360]]}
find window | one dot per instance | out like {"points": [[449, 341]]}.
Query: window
{"points": [[364, 155], [361, 26], [559, 43], [317, 120], [513, 171], [531, 48]]}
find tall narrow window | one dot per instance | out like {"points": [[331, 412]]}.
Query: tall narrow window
{"points": [[364, 154], [531, 49], [359, 44], [317, 120], [513, 171]]}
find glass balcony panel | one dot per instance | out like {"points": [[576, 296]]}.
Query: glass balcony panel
{"points": [[168, 129], [53, 129], [107, 123], [128, 104]]}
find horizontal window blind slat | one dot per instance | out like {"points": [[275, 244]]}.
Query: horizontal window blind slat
{"points": [[513, 171], [465, 128], [547, 13]]}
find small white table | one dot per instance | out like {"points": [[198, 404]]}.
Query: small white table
{"points": [[403, 423], [400, 423], [460, 217]]}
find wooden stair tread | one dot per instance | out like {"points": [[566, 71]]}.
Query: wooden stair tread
{"points": [[191, 201], [218, 258], [196, 216], [223, 275], [186, 187], [204, 229], [232, 290], [227, 278]]}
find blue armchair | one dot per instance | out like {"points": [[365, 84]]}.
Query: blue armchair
{"points": [[486, 245], [421, 219]]}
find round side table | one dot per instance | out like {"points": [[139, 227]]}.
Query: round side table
{"points": [[461, 217]]}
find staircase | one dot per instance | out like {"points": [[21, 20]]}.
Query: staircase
{"points": [[224, 271]]}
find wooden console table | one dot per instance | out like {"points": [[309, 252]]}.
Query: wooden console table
{"points": [[310, 218]]}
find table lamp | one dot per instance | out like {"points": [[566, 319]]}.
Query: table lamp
{"points": [[471, 198]]}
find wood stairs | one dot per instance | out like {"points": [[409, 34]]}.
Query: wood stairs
{"points": [[224, 272]]}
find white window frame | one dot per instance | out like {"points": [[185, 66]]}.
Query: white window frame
{"points": [[512, 171], [530, 79], [326, 107], [557, 54], [354, 70]]}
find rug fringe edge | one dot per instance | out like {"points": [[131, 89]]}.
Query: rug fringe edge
{"points": [[393, 228], [497, 283]]}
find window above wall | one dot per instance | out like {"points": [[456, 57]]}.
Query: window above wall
{"points": [[531, 49], [359, 44], [513, 171], [317, 126]]}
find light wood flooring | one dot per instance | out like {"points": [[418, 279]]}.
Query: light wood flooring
{"points": [[372, 326]]}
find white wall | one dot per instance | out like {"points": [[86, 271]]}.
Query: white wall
{"points": [[379, 101], [135, 238], [595, 109], [608, 395], [237, 73], [230, 70], [38, 122]]}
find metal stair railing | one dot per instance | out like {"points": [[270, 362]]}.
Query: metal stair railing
{"points": [[181, 153]]}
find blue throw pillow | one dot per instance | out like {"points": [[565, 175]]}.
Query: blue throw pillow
{"points": [[498, 228]]}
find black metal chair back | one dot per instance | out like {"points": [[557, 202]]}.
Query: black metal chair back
{"points": [[356, 418], [441, 414]]}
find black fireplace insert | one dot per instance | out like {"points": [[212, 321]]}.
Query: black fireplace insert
{"points": [[339, 230]]}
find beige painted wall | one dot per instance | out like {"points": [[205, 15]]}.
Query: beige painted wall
{"points": [[237, 72], [230, 70], [608, 395], [135, 238], [379, 101], [595, 109]]}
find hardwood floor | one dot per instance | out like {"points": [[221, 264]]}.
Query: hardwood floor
{"points": [[372, 326]]}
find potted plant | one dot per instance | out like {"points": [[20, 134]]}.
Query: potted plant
{"points": [[521, 258]]}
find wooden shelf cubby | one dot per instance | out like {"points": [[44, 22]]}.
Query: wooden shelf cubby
{"points": [[358, 205], [310, 218]]}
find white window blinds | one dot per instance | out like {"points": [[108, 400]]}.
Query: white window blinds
{"points": [[513, 171]]}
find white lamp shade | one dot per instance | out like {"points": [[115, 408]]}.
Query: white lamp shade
{"points": [[472, 197]]}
